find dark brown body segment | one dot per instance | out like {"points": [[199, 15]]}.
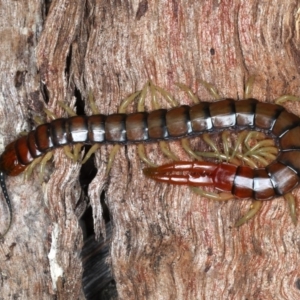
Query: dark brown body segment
{"points": [[136, 127], [77, 129], [278, 178], [178, 121], [223, 113]]}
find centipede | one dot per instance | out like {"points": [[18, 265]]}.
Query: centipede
{"points": [[276, 179]]}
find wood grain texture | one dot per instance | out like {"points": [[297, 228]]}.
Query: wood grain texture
{"points": [[167, 242]]}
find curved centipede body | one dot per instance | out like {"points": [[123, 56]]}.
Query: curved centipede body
{"points": [[276, 179]]}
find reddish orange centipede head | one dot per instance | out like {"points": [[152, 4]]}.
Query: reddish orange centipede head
{"points": [[9, 163]]}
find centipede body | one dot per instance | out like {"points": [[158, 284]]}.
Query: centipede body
{"points": [[278, 178]]}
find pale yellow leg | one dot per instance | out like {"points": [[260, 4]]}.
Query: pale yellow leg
{"points": [[225, 137], [126, 102], [92, 104], [68, 152], [186, 146], [143, 156], [255, 207], [240, 139], [210, 88], [253, 135], [209, 142], [29, 169], [186, 89], [111, 158], [212, 195], [165, 149], [292, 206], [262, 144], [76, 152], [67, 108], [91, 151], [50, 114], [166, 95], [285, 98], [141, 101], [44, 160], [38, 120], [154, 100], [249, 87], [248, 161]]}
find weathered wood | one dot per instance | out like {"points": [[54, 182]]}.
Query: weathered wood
{"points": [[167, 242]]}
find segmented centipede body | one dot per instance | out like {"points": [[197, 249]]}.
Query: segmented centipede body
{"points": [[278, 178]]}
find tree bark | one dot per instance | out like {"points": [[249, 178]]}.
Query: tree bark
{"points": [[167, 242]]}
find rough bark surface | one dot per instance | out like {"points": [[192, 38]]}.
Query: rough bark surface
{"points": [[167, 243]]}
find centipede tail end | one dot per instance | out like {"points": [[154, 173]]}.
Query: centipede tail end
{"points": [[9, 162], [9, 165]]}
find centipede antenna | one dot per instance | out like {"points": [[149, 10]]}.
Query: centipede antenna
{"points": [[5, 193]]}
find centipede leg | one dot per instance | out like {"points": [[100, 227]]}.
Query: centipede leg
{"points": [[29, 169], [255, 207], [216, 154], [38, 120], [91, 151], [188, 91], [50, 114], [76, 151], [44, 160], [165, 95], [143, 157], [211, 195], [92, 103], [285, 98], [111, 158], [68, 152], [210, 88], [67, 108], [249, 87], [292, 206], [186, 146]]}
